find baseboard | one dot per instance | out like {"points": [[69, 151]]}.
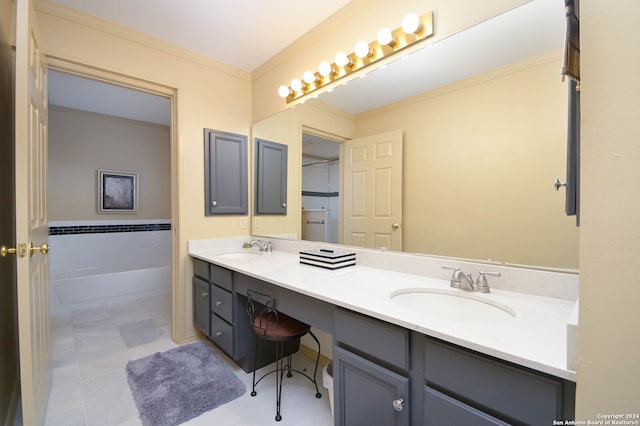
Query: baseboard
{"points": [[13, 405], [312, 354]]}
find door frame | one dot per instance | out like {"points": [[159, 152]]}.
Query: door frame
{"points": [[329, 137], [86, 71], [10, 356]]}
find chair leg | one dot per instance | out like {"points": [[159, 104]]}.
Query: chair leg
{"points": [[279, 372], [289, 366], [255, 364], [281, 367], [315, 371]]}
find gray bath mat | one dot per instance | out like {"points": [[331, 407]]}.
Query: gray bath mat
{"points": [[172, 387]]}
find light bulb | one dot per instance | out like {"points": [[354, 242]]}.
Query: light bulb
{"points": [[362, 49], [411, 24], [309, 77], [296, 85], [385, 37], [283, 91], [343, 60], [325, 69]]}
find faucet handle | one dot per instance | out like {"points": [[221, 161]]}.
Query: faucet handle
{"points": [[455, 278], [482, 285]]}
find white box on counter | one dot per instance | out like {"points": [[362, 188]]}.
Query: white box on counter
{"points": [[328, 258]]}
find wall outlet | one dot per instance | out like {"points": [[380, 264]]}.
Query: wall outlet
{"points": [[257, 222], [243, 223]]}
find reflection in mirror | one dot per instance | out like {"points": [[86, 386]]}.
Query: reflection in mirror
{"points": [[320, 188], [271, 177], [481, 151]]}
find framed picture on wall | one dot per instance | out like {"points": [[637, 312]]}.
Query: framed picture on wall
{"points": [[117, 192]]}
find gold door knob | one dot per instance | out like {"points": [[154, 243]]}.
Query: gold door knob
{"points": [[4, 251], [20, 250], [44, 248]]}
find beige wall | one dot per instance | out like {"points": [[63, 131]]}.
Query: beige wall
{"points": [[479, 161], [207, 94], [82, 142], [609, 340]]}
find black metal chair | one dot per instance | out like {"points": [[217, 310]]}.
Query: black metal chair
{"points": [[269, 324]]}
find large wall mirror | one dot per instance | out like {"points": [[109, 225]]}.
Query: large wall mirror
{"points": [[483, 118]]}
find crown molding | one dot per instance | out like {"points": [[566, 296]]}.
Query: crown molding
{"points": [[47, 7]]}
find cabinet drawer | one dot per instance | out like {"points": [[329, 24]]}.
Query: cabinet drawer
{"points": [[439, 409], [514, 392], [201, 269], [222, 334], [379, 339], [221, 303], [221, 277]]}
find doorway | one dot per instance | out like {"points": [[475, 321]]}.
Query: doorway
{"points": [[122, 118], [320, 187]]}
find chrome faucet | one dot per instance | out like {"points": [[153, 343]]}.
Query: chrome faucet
{"points": [[460, 280], [465, 281], [263, 245]]}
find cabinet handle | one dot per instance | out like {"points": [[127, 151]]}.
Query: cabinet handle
{"points": [[398, 404], [214, 203], [204, 294], [557, 184], [219, 333], [284, 204], [218, 303]]}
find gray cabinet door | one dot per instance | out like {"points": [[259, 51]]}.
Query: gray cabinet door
{"points": [[365, 392], [271, 177], [202, 305], [226, 181]]}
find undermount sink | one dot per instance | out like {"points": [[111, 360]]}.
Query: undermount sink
{"points": [[453, 305], [240, 255]]}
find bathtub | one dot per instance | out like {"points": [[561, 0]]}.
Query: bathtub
{"points": [[107, 263]]}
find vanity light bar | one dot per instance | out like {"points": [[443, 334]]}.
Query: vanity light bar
{"points": [[420, 28]]}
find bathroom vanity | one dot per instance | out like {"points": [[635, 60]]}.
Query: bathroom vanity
{"points": [[219, 313], [393, 364]]}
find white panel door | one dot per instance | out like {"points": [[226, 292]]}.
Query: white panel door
{"points": [[31, 217], [373, 191]]}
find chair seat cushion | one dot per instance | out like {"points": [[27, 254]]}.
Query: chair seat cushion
{"points": [[284, 328]]}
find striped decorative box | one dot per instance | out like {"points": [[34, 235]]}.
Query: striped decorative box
{"points": [[328, 258]]}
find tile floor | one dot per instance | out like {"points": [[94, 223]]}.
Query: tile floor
{"points": [[92, 347]]}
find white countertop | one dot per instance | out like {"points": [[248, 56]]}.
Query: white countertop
{"points": [[535, 338]]}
